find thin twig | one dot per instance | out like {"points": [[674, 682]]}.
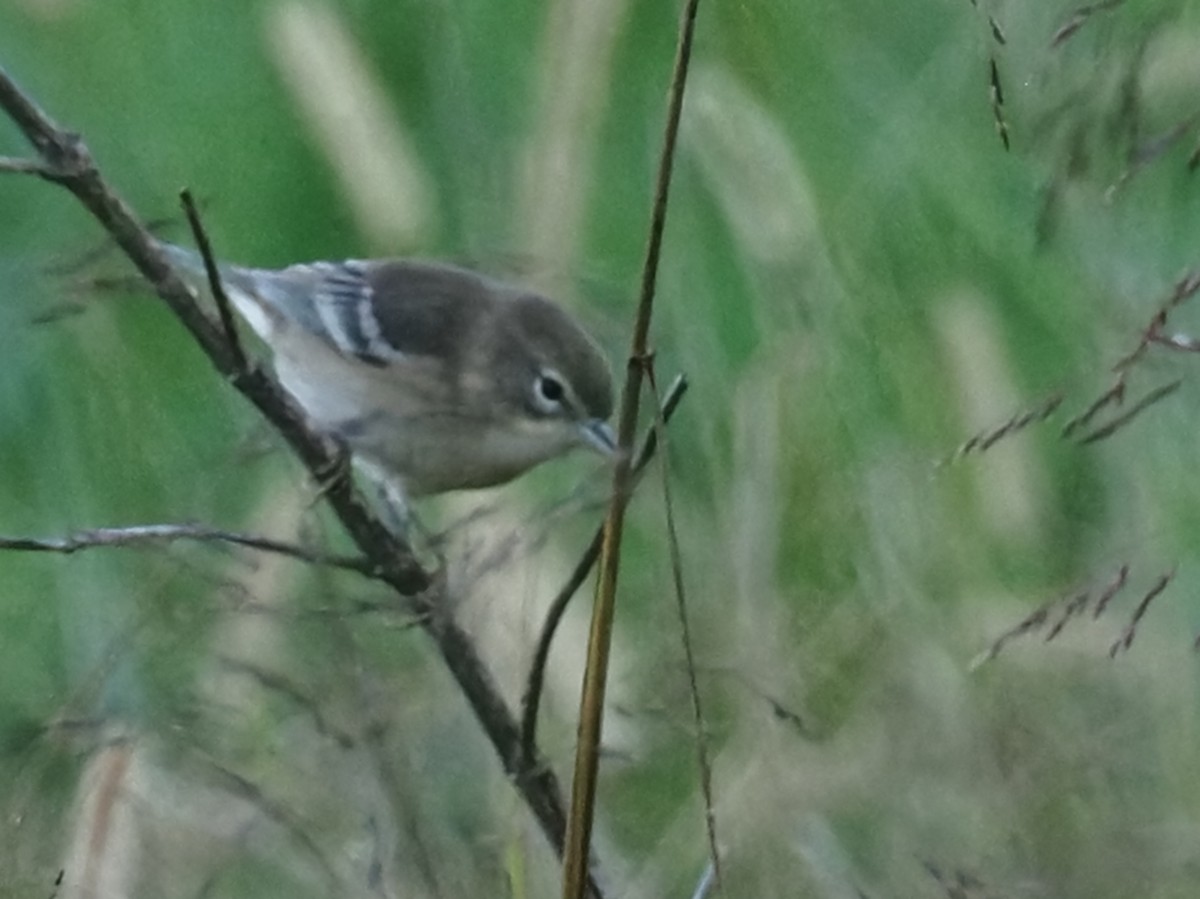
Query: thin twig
{"points": [[685, 631], [1124, 641], [297, 694], [215, 286], [1114, 587], [85, 293], [1114, 396], [1148, 152], [1076, 605], [345, 608], [779, 710], [531, 698], [1027, 625], [985, 440], [587, 751], [1073, 606], [19, 166], [81, 262], [171, 533], [274, 810], [1078, 18], [1154, 396], [996, 94]]}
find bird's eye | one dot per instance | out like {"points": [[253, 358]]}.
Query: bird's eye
{"points": [[549, 391], [551, 388]]}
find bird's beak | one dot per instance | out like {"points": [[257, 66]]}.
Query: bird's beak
{"points": [[599, 436]]}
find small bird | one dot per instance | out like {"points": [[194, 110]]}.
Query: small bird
{"points": [[438, 378]]}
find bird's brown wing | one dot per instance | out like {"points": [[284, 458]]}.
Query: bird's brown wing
{"points": [[380, 311]]}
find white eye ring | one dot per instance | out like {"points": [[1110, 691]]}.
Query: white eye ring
{"points": [[549, 392]]}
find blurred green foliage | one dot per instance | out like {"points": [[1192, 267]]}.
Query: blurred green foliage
{"points": [[857, 279]]}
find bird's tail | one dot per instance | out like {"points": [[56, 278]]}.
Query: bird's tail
{"points": [[238, 283]]}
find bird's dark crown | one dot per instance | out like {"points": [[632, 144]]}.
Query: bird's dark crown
{"points": [[558, 343]]}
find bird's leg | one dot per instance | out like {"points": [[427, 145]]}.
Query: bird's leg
{"points": [[336, 472]]}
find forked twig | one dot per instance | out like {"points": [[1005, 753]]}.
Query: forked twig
{"points": [[1153, 334], [531, 697]]}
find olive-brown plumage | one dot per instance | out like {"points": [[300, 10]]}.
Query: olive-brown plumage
{"points": [[437, 376]]}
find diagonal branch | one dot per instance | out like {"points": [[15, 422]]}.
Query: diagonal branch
{"points": [[172, 533], [65, 160]]}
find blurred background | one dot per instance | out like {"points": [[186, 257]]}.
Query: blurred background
{"points": [[858, 279]]}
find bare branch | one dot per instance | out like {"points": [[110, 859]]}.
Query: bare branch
{"points": [[172, 533], [214, 281], [531, 698]]}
